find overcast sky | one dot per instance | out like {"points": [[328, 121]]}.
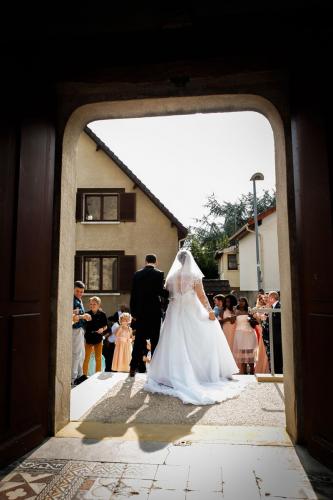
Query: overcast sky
{"points": [[184, 159]]}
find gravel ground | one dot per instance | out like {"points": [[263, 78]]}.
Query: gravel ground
{"points": [[258, 404]]}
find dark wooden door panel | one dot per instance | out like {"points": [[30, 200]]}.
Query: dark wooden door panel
{"points": [[319, 390], [27, 167], [5, 349], [33, 193], [315, 249], [28, 359], [9, 154]]}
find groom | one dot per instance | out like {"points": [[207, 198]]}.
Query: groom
{"points": [[145, 305]]}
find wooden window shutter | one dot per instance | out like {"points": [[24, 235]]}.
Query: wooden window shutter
{"points": [[78, 268], [79, 206], [127, 207], [127, 268]]}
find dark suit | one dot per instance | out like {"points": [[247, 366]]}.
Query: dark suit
{"points": [[277, 340], [145, 304]]}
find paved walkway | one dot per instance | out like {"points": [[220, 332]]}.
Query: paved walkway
{"points": [[115, 397]]}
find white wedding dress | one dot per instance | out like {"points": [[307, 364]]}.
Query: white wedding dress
{"points": [[192, 360]]}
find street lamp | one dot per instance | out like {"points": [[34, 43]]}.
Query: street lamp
{"points": [[258, 176]]}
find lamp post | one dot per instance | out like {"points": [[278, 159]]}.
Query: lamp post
{"points": [[258, 176]]}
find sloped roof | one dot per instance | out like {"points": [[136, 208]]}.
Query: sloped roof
{"points": [[182, 230], [243, 231], [230, 249]]}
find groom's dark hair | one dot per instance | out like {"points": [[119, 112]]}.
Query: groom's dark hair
{"points": [[151, 258]]}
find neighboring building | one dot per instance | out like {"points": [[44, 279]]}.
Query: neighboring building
{"points": [[228, 267], [214, 286], [119, 221], [243, 251]]}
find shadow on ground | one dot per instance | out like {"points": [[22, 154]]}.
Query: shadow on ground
{"points": [[128, 405]]}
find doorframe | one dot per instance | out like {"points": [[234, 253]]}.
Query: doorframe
{"points": [[136, 108]]}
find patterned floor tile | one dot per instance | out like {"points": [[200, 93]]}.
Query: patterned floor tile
{"points": [[64, 485], [29, 478], [140, 471], [82, 468], [115, 470], [92, 488], [51, 466], [17, 491]]}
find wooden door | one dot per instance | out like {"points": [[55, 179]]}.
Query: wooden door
{"points": [[312, 155], [26, 211]]}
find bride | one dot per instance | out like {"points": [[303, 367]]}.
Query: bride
{"points": [[192, 360]]}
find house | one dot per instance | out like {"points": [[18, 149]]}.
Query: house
{"points": [[228, 268], [242, 253], [118, 221]]}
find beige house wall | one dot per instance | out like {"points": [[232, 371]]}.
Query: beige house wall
{"points": [[269, 257], [151, 233], [270, 254], [228, 274]]}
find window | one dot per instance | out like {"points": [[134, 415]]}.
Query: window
{"points": [[105, 271], [100, 274], [105, 205], [232, 262], [101, 207]]}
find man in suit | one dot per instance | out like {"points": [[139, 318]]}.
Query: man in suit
{"points": [[273, 300], [146, 310]]}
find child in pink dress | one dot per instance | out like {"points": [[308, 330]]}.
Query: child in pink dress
{"points": [[123, 350]]}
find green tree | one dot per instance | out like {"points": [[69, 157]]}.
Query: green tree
{"points": [[235, 215], [203, 241], [222, 220]]}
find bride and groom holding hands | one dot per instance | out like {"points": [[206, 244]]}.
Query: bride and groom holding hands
{"points": [[191, 358]]}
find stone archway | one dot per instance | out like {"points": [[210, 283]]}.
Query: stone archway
{"points": [[157, 107]]}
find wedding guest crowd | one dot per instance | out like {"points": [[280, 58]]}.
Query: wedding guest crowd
{"points": [[93, 332], [246, 331]]}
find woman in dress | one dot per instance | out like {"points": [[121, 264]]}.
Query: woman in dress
{"points": [[245, 343], [228, 319], [192, 360], [262, 364]]}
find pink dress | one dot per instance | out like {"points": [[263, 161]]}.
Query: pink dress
{"points": [[246, 342], [229, 329], [262, 364], [123, 350]]}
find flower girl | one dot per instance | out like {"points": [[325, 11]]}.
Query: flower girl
{"points": [[123, 350]]}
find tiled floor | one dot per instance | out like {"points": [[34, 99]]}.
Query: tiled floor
{"points": [[181, 470], [166, 458]]}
